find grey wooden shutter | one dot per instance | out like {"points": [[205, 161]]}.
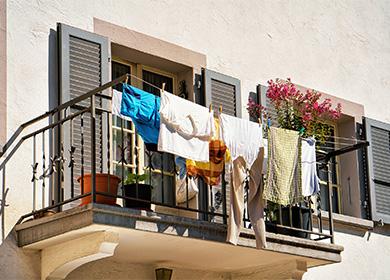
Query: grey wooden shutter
{"points": [[378, 134], [223, 90], [83, 66], [265, 101]]}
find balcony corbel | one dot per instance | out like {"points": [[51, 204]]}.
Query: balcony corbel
{"points": [[58, 260]]}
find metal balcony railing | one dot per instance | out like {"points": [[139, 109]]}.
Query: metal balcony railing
{"points": [[50, 161]]}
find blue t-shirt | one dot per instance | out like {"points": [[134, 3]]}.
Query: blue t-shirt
{"points": [[143, 109]]}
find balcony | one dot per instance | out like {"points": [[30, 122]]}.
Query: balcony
{"points": [[72, 227]]}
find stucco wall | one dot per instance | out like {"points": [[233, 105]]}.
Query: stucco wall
{"points": [[338, 47], [366, 255]]}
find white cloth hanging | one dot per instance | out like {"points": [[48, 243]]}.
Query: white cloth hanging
{"points": [[310, 181], [242, 137], [116, 105], [185, 128]]}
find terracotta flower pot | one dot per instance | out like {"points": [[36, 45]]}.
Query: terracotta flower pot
{"points": [[102, 185]]}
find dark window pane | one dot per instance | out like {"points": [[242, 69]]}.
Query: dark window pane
{"points": [[157, 80], [117, 70], [163, 184]]}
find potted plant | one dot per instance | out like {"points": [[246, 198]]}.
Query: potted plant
{"points": [[105, 183], [133, 189]]}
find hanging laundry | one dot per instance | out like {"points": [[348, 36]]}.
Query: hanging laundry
{"points": [[181, 164], [185, 128], [186, 187], [242, 137], [255, 201], [284, 167], [143, 109], [116, 105], [211, 171], [310, 181]]}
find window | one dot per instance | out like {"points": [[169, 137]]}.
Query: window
{"points": [[329, 146], [161, 166], [123, 147], [130, 152]]}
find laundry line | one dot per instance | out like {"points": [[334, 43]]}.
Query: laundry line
{"points": [[339, 143], [142, 80]]}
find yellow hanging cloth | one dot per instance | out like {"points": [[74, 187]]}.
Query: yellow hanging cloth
{"points": [[211, 171]]}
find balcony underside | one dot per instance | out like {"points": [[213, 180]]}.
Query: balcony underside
{"points": [[150, 238]]}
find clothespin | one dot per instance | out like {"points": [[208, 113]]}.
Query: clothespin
{"points": [[127, 79], [269, 122], [301, 131], [260, 121], [210, 107], [163, 87], [220, 109]]}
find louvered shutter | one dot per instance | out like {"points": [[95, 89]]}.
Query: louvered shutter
{"points": [[265, 101], [225, 91], [83, 66], [222, 90], [378, 134]]}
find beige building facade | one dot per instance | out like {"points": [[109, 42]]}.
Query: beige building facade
{"points": [[340, 48]]}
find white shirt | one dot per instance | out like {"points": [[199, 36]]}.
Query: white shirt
{"points": [[116, 105], [185, 128], [310, 181], [242, 137]]}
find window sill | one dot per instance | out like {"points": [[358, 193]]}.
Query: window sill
{"points": [[349, 221]]}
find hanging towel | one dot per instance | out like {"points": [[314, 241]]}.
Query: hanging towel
{"points": [[185, 128], [284, 167], [116, 105], [211, 171], [143, 108], [242, 137], [255, 201], [310, 181]]}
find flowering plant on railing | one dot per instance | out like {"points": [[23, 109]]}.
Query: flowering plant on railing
{"points": [[302, 111], [256, 111]]}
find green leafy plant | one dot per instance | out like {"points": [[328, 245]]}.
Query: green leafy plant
{"points": [[133, 178]]}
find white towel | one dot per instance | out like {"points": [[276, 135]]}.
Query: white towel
{"points": [[242, 137], [116, 105], [310, 181], [185, 128]]}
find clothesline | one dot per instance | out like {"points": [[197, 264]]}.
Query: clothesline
{"points": [[142, 80], [326, 136]]}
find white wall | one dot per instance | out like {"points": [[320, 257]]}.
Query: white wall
{"points": [[366, 256], [338, 47]]}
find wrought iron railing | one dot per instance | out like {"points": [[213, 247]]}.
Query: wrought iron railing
{"points": [[50, 161]]}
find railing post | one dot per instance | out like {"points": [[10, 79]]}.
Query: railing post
{"points": [[330, 194], [93, 149]]}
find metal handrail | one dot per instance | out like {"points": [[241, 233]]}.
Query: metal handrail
{"points": [[67, 104]]}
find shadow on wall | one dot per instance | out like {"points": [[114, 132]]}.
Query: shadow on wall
{"points": [[18, 263]]}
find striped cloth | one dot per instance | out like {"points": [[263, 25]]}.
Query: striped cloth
{"points": [[284, 184]]}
